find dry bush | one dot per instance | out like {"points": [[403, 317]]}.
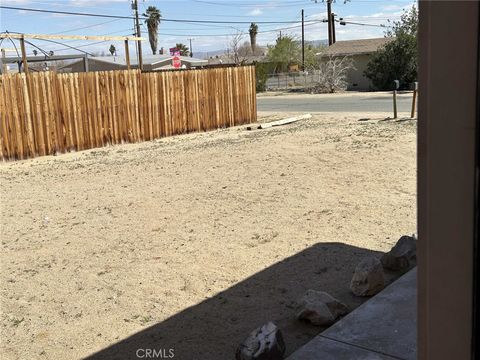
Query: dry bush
{"points": [[331, 73]]}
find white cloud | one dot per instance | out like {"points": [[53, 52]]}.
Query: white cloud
{"points": [[256, 12], [394, 7], [14, 2], [88, 3]]}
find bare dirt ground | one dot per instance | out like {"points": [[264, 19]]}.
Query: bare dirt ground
{"points": [[191, 242]]}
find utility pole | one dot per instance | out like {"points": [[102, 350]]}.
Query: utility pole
{"points": [[191, 51], [3, 67], [139, 34], [303, 41], [334, 39], [24, 55], [329, 17]]}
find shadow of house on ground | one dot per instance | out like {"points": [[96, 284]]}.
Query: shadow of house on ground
{"points": [[212, 329]]}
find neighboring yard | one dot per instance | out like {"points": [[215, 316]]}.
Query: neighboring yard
{"points": [[101, 244]]}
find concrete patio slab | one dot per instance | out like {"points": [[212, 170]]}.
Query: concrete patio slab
{"points": [[322, 348], [385, 327]]}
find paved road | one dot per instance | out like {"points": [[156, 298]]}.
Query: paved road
{"points": [[381, 102]]}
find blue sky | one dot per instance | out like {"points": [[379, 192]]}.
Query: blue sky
{"points": [[206, 37]]}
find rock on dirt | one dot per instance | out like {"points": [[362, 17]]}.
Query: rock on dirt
{"points": [[263, 343], [320, 308], [402, 256], [369, 278]]}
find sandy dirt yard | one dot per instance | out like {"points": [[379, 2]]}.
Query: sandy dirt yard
{"points": [[188, 243]]}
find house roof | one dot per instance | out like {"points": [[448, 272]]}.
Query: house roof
{"points": [[355, 47], [147, 60], [249, 59], [160, 60]]}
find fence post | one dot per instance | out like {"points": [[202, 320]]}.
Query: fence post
{"points": [[397, 86], [127, 55], [394, 104], [414, 100]]}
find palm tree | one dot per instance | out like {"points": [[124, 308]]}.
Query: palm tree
{"points": [[112, 49], [253, 36], [35, 52], [183, 49], [153, 16]]}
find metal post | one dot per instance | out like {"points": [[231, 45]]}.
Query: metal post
{"points": [[127, 55], [394, 104], [24, 55], [414, 100], [303, 41]]}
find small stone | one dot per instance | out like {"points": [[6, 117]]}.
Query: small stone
{"points": [[319, 308], [402, 256], [368, 278], [263, 343]]}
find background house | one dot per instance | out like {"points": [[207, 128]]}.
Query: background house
{"points": [[360, 51], [244, 55], [150, 63]]}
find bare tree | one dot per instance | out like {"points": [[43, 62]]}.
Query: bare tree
{"points": [[235, 46], [332, 74]]}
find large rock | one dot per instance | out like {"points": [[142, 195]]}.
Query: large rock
{"points": [[319, 308], [368, 278], [263, 343], [402, 256]]}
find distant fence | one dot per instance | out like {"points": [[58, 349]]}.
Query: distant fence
{"points": [[283, 81], [47, 113]]}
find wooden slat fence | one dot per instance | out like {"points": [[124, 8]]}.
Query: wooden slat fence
{"points": [[46, 113]]}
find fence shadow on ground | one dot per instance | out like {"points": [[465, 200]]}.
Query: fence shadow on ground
{"points": [[213, 328]]}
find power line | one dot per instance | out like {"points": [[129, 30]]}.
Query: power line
{"points": [[260, 32], [65, 12], [15, 46], [343, 22], [86, 27], [35, 46], [257, 5], [60, 43], [144, 18]]}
